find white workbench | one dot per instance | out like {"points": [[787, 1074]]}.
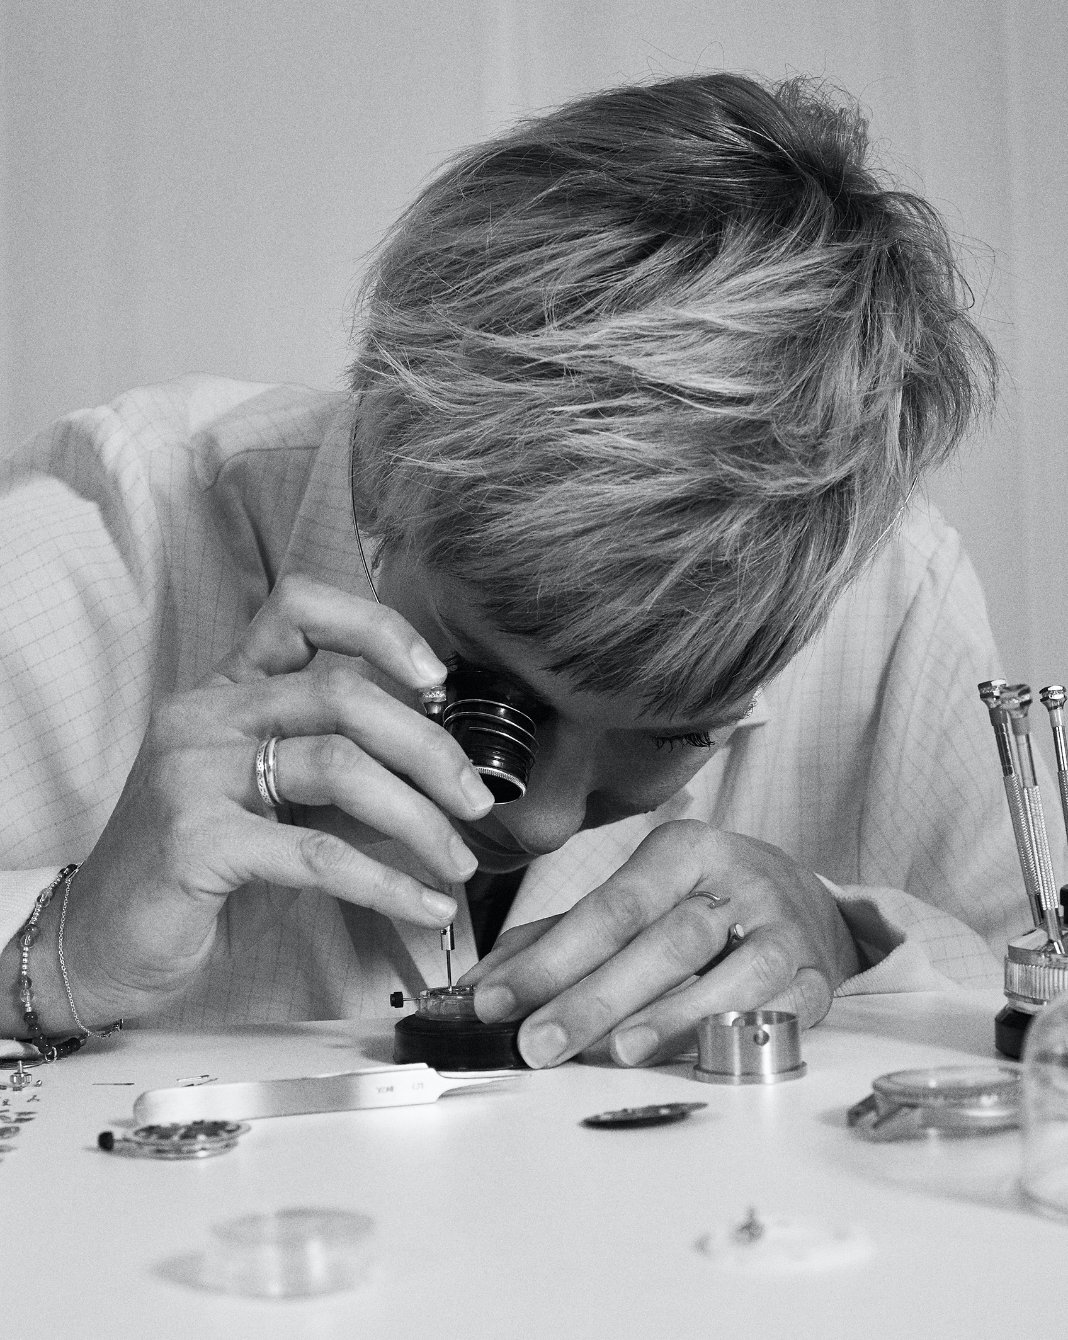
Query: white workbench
{"points": [[498, 1215]]}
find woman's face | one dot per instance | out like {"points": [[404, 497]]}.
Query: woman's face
{"points": [[599, 757]]}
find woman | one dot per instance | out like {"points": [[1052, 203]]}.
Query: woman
{"points": [[642, 390]]}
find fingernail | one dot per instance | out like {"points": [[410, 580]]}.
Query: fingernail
{"points": [[427, 665], [475, 789], [440, 906], [631, 1046], [493, 1004], [542, 1045], [464, 860]]}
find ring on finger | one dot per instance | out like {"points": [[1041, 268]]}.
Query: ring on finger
{"points": [[735, 936], [266, 773]]}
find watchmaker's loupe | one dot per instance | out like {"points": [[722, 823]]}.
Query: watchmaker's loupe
{"points": [[495, 723], [445, 1033]]}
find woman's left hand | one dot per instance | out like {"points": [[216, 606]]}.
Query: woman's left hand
{"points": [[628, 961]]}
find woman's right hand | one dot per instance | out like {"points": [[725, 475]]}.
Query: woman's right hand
{"points": [[190, 826]]}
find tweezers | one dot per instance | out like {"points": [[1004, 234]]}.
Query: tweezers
{"points": [[376, 1086]]}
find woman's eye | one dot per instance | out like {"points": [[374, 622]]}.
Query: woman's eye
{"points": [[696, 739]]}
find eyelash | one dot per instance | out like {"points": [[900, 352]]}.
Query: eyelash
{"points": [[696, 739]]}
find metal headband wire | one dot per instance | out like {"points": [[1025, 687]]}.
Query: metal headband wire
{"points": [[355, 523], [433, 699]]}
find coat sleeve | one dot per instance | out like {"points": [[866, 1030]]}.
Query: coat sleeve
{"points": [[78, 624], [940, 889]]}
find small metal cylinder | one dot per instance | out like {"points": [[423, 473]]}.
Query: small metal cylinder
{"points": [[749, 1047]]}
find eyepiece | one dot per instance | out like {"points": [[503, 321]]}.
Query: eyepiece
{"points": [[495, 723]]}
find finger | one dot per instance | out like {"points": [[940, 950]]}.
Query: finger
{"points": [[509, 943], [302, 616], [761, 972], [303, 858], [339, 701], [331, 770], [664, 956], [809, 996], [663, 871]]}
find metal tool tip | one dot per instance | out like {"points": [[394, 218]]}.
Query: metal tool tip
{"points": [[434, 701], [1017, 697]]}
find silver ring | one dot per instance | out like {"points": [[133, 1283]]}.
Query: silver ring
{"points": [[266, 776], [735, 936]]}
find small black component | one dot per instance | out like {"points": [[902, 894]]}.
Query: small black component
{"points": [[653, 1114], [396, 999], [1010, 1030], [106, 1140]]}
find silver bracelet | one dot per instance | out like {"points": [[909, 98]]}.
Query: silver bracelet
{"points": [[87, 1032], [49, 1048]]}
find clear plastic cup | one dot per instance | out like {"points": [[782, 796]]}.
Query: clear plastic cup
{"points": [[1044, 1174], [290, 1253]]}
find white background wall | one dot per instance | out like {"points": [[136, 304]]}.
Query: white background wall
{"points": [[191, 185]]}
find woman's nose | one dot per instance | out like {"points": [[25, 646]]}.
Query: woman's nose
{"points": [[561, 782]]}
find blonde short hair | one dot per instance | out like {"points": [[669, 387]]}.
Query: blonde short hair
{"points": [[654, 375]]}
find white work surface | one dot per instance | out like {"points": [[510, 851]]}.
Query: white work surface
{"points": [[498, 1215]]}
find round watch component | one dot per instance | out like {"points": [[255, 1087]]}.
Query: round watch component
{"points": [[653, 1114], [749, 1047], [951, 1100], [176, 1140], [448, 1002], [445, 1033]]}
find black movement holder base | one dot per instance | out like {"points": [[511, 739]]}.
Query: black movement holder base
{"points": [[446, 1034]]}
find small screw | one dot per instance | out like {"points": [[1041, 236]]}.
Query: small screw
{"points": [[751, 1229]]}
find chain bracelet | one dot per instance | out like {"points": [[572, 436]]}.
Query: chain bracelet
{"points": [[68, 878], [50, 1048]]}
